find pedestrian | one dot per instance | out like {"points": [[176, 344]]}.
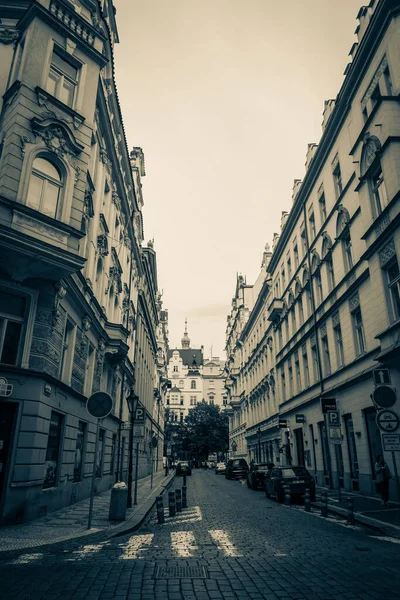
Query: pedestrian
{"points": [[383, 476]]}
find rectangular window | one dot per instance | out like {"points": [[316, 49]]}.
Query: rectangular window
{"points": [[379, 192], [296, 255], [113, 453], [351, 446], [337, 331], [100, 453], [301, 310], [283, 279], [337, 180], [297, 372], [314, 355], [303, 241], [358, 331], [290, 370], [331, 274], [311, 220], [62, 80], [289, 268], [283, 382], [306, 367], [52, 462], [325, 355], [348, 252], [67, 352], [89, 369], [393, 275], [79, 449], [318, 286], [322, 207], [12, 315]]}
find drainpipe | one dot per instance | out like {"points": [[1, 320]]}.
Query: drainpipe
{"points": [[321, 379]]}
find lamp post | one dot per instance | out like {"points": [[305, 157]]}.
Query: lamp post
{"points": [[132, 402], [259, 444]]}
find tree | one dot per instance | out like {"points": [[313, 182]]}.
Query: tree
{"points": [[206, 429]]}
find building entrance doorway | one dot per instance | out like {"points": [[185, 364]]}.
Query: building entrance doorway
{"points": [[7, 418], [300, 446]]}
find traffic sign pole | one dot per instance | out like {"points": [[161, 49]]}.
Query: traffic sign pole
{"points": [[396, 475], [96, 447]]}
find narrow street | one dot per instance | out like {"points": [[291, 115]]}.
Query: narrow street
{"points": [[231, 542]]}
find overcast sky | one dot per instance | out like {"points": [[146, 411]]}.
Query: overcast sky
{"points": [[223, 96]]}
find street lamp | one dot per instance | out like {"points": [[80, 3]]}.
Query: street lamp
{"points": [[132, 402]]}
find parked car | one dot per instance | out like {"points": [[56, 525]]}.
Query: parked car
{"points": [[256, 475], [296, 477], [183, 468], [220, 468], [236, 468]]}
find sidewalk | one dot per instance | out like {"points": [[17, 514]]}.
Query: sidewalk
{"points": [[367, 510], [71, 522]]}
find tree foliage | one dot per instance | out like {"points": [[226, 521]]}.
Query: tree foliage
{"points": [[206, 429]]}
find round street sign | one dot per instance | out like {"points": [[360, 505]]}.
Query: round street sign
{"points": [[388, 421], [99, 404], [384, 396]]}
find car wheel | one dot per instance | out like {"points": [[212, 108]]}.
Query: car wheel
{"points": [[279, 496], [267, 494]]}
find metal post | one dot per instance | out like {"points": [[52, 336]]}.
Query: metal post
{"points": [[259, 444], [324, 504], [130, 466], [307, 500], [160, 509], [178, 500], [350, 511], [171, 504], [184, 497], [337, 472], [288, 498], [151, 465], [136, 472], [96, 446], [184, 479]]}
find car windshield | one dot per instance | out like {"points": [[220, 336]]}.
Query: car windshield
{"points": [[295, 472], [184, 464]]}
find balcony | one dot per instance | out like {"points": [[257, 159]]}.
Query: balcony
{"points": [[275, 310]]}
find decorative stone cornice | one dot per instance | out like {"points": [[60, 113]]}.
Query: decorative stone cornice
{"points": [[57, 136], [8, 36]]}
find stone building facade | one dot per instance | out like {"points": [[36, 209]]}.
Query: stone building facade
{"points": [[78, 293], [325, 310]]}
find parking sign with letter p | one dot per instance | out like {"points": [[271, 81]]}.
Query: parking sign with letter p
{"points": [[333, 418]]}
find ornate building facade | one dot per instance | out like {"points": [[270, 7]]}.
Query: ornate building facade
{"points": [[325, 310], [79, 310]]}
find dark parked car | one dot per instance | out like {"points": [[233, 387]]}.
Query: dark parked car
{"points": [[236, 468], [296, 477], [256, 475], [183, 468]]}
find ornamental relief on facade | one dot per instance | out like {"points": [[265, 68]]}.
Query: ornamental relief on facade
{"points": [[387, 253]]}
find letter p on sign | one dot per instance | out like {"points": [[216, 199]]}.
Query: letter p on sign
{"points": [[333, 418]]}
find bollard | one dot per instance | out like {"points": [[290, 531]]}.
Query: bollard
{"points": [[286, 491], [171, 504], [307, 500], [184, 479], [160, 509], [350, 511], [178, 500], [118, 502], [184, 497], [324, 504]]}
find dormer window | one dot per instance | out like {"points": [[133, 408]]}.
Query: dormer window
{"points": [[44, 187]]}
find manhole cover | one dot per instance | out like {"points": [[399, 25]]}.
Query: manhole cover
{"points": [[180, 572]]}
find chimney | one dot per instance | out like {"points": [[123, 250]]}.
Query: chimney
{"points": [[311, 150], [329, 105], [296, 188], [284, 218], [275, 241]]}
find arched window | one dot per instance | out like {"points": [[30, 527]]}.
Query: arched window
{"points": [[193, 385], [45, 187]]}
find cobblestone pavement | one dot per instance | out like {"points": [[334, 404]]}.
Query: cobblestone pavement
{"points": [[231, 543]]}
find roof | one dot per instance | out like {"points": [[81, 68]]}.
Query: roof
{"points": [[189, 356], [175, 390]]}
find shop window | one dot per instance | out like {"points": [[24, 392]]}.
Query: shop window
{"points": [[351, 446], [52, 462], [113, 453], [45, 187], [12, 315], [79, 449], [62, 81]]}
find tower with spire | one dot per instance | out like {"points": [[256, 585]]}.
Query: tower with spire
{"points": [[185, 341]]}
